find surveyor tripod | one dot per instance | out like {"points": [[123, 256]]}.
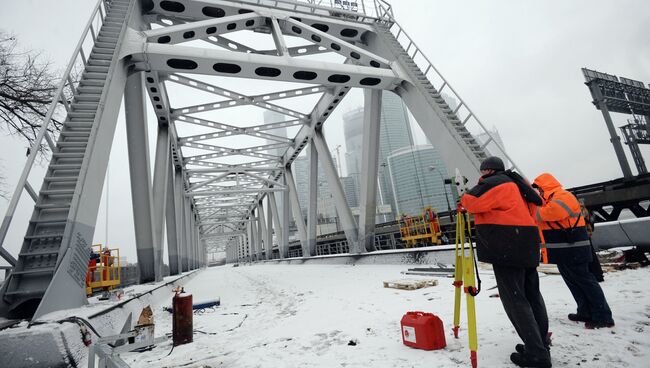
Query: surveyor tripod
{"points": [[466, 273]]}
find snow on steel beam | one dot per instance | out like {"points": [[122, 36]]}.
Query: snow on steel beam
{"points": [[174, 58], [204, 28]]}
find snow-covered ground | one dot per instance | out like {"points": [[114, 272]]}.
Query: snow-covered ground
{"points": [[307, 315]]}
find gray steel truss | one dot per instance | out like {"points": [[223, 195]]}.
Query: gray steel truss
{"points": [[212, 177]]}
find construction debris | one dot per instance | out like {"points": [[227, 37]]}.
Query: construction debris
{"points": [[409, 284], [439, 270]]}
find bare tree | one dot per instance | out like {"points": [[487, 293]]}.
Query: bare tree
{"points": [[27, 86]]}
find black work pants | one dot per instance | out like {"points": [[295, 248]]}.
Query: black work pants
{"points": [[524, 305], [586, 292]]}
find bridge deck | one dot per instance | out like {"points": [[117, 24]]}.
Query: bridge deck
{"points": [[306, 316]]}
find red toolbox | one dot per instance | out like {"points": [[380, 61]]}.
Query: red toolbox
{"points": [[423, 331]]}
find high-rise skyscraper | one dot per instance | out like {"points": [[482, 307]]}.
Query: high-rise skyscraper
{"points": [[325, 205], [269, 118], [417, 179], [394, 133], [275, 117]]}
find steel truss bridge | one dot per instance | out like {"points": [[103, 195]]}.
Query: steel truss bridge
{"points": [[215, 183]]}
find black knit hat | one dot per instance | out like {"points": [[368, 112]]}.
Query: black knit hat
{"points": [[493, 163]]}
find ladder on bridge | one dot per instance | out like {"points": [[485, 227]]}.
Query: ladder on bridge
{"points": [[41, 253]]}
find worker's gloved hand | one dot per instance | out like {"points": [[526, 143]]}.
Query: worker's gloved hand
{"points": [[460, 208]]}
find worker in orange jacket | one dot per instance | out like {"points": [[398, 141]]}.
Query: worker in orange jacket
{"points": [[568, 246], [508, 238]]}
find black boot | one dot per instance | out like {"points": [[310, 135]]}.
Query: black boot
{"points": [[578, 318], [591, 325], [520, 348], [524, 360]]}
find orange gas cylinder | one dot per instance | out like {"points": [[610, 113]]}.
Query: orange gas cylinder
{"points": [[182, 328], [423, 331]]}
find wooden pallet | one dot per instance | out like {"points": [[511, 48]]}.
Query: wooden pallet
{"points": [[408, 284]]}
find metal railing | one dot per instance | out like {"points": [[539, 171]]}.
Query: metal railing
{"points": [[442, 86], [361, 10], [63, 95]]}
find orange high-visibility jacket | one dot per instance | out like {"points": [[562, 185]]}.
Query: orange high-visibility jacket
{"points": [[561, 222], [507, 233]]}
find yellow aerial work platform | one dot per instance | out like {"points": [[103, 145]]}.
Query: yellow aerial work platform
{"points": [[103, 269], [423, 229]]}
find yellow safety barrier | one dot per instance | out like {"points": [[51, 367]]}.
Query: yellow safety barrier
{"points": [[103, 269]]}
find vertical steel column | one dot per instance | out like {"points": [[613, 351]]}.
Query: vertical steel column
{"points": [[249, 238], [200, 244], [195, 247], [139, 168], [260, 234], [242, 248], [279, 230], [262, 231], [269, 229], [187, 226], [284, 253], [614, 138], [312, 206], [170, 216], [297, 211], [178, 205], [254, 239], [342, 208], [369, 168], [161, 175]]}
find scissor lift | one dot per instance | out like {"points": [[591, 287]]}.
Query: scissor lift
{"points": [[103, 269], [423, 229]]}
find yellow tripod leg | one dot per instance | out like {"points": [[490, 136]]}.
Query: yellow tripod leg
{"points": [[458, 271], [469, 277]]}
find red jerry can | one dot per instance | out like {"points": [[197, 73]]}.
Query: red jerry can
{"points": [[182, 328], [423, 331]]}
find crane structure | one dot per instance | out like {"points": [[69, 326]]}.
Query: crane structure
{"points": [[215, 183]]}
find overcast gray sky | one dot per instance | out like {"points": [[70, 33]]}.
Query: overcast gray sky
{"points": [[515, 63]]}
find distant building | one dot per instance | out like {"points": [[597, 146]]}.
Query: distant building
{"points": [[275, 117], [269, 118], [351, 190], [326, 211], [394, 134], [417, 178]]}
